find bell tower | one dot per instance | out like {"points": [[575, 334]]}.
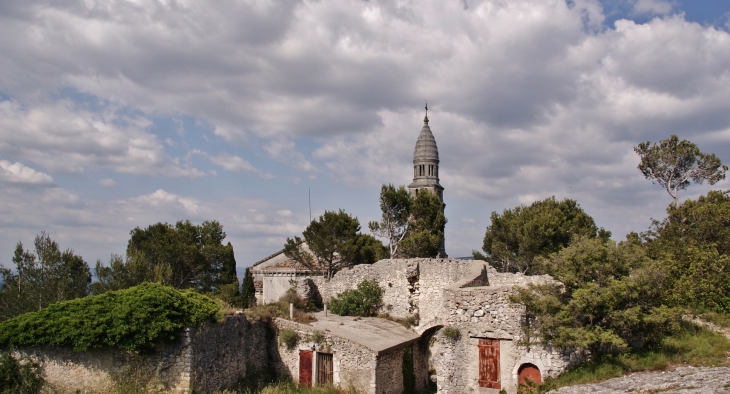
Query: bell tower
{"points": [[426, 168]]}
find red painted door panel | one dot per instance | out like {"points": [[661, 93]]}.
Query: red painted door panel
{"points": [[489, 363], [305, 368], [529, 371]]}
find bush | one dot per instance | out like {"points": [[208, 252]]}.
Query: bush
{"points": [[135, 319], [317, 336], [363, 301], [289, 337], [19, 377], [452, 333]]}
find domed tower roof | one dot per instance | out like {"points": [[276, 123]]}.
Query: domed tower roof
{"points": [[426, 149]]}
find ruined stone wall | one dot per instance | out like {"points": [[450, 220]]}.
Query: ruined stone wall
{"points": [[434, 290], [487, 313], [353, 364], [222, 353], [413, 287], [389, 373], [203, 360]]}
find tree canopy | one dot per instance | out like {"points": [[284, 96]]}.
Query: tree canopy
{"points": [[673, 163], [413, 226], [517, 236], [426, 226], [613, 298], [693, 243], [183, 256], [43, 278], [334, 242], [395, 205]]}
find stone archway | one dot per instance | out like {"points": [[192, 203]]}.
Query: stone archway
{"points": [[428, 361], [529, 371]]}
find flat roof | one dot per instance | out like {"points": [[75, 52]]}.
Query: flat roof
{"points": [[378, 334]]}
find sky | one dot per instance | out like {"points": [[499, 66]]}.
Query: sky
{"points": [[120, 114]]}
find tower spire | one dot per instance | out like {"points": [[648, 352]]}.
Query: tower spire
{"points": [[425, 120]]}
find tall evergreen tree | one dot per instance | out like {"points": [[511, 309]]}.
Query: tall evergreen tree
{"points": [[248, 291]]}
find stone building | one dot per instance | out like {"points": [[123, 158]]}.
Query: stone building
{"points": [[489, 353], [273, 274], [365, 353]]}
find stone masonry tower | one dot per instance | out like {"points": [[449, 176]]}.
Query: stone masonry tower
{"points": [[426, 168]]}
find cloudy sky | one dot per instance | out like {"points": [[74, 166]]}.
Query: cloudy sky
{"points": [[116, 114]]}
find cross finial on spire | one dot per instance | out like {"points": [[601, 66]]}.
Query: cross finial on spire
{"points": [[425, 120]]}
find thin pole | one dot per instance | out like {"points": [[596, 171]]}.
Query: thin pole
{"points": [[309, 190]]}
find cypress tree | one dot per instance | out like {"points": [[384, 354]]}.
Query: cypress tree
{"points": [[248, 291]]}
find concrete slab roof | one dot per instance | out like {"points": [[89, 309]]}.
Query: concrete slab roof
{"points": [[380, 335]]}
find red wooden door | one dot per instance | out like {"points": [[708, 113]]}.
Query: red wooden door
{"points": [[489, 363], [305, 368], [529, 371]]}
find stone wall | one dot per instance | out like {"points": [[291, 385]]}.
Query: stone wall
{"points": [[413, 287], [204, 359], [353, 364]]}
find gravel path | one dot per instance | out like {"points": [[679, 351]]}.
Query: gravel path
{"points": [[681, 380]]}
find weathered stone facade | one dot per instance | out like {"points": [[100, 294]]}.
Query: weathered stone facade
{"points": [[467, 295], [204, 359]]}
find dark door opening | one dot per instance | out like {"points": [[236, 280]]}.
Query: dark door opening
{"points": [[324, 368]]}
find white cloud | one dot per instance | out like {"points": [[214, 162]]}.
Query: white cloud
{"points": [[231, 163], [285, 151], [529, 98], [17, 173], [652, 7], [62, 137], [107, 182], [97, 228]]}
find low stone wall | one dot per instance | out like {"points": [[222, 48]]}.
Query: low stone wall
{"points": [[204, 359]]}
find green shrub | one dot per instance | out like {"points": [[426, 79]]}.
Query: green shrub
{"points": [[289, 337], [363, 301], [19, 377], [134, 319], [317, 336], [452, 333]]}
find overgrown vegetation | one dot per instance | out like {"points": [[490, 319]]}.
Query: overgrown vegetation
{"points": [[19, 377], [134, 319], [452, 333], [408, 372], [288, 337], [690, 345], [363, 301]]}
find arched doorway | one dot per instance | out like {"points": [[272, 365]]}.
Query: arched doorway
{"points": [[529, 371]]}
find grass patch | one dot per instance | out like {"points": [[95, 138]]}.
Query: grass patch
{"points": [[452, 333], [692, 345], [720, 319], [407, 322]]}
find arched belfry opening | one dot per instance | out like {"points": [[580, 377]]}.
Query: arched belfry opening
{"points": [[426, 168]]}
